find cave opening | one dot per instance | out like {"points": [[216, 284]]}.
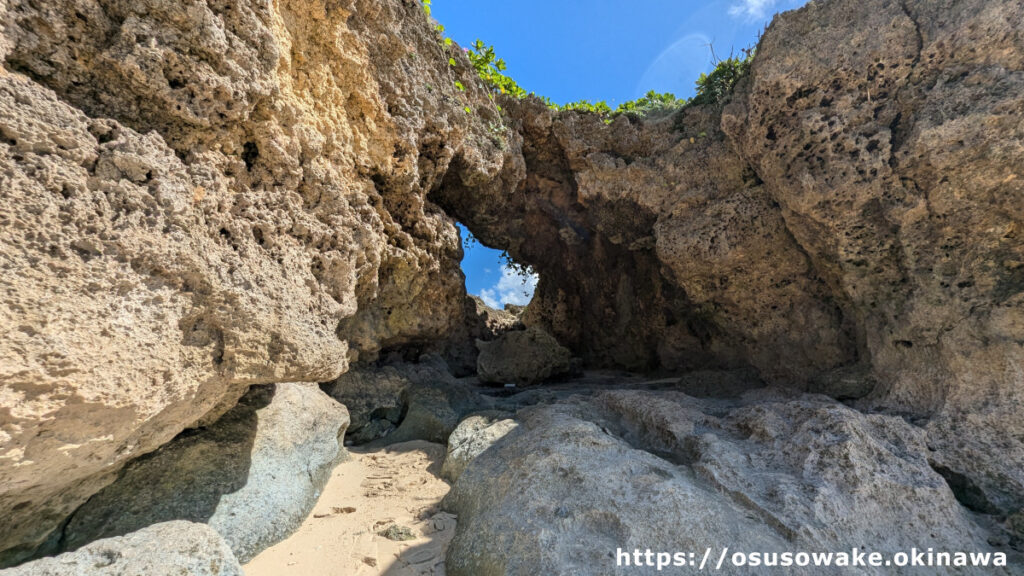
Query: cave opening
{"points": [[493, 276]]}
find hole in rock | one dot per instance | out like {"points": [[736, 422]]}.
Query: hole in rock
{"points": [[493, 276], [966, 491], [250, 153]]}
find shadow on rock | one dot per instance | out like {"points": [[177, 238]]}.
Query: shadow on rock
{"points": [[253, 475]]}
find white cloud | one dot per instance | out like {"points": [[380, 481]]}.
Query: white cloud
{"points": [[751, 9], [511, 288]]}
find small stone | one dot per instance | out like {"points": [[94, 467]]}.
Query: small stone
{"points": [[397, 533]]}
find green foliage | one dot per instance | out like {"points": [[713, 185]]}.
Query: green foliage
{"points": [[491, 70], [600, 107], [651, 102], [550, 103], [524, 270], [487, 65], [712, 88]]}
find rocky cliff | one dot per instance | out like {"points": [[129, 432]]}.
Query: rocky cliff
{"points": [[199, 197], [848, 220]]}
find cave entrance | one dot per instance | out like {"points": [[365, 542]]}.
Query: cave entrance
{"points": [[493, 276]]}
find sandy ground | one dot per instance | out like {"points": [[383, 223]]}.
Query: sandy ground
{"points": [[374, 490]]}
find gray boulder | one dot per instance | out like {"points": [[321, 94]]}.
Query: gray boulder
{"points": [[168, 549], [405, 401], [471, 438], [480, 322], [522, 357], [582, 478], [253, 476], [373, 397], [434, 410]]}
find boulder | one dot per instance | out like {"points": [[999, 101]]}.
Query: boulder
{"points": [[522, 357], [481, 322], [434, 410], [471, 438], [374, 398], [772, 471], [253, 476], [405, 401], [168, 549]]}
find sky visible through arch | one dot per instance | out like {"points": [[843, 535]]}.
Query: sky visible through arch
{"points": [[613, 50]]}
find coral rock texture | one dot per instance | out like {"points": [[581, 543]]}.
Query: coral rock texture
{"points": [[167, 549], [771, 471], [847, 221], [198, 197], [202, 196]]}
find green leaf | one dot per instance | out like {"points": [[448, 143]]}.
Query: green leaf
{"points": [[451, 62], [459, 86], [713, 87], [468, 110]]}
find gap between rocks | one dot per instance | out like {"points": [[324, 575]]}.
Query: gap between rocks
{"points": [[396, 489]]}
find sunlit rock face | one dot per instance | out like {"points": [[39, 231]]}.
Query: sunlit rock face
{"points": [[895, 159], [201, 197], [198, 197], [847, 221]]}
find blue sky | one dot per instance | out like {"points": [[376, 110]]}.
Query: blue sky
{"points": [[613, 50]]}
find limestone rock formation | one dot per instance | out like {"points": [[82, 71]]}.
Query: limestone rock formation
{"points": [[253, 476], [404, 401], [471, 438], [895, 160], [168, 549], [200, 197], [433, 410], [481, 323], [847, 221], [772, 471], [522, 357], [373, 396], [669, 251]]}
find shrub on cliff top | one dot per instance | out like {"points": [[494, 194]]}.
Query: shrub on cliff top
{"points": [[713, 87], [491, 70], [650, 102]]}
